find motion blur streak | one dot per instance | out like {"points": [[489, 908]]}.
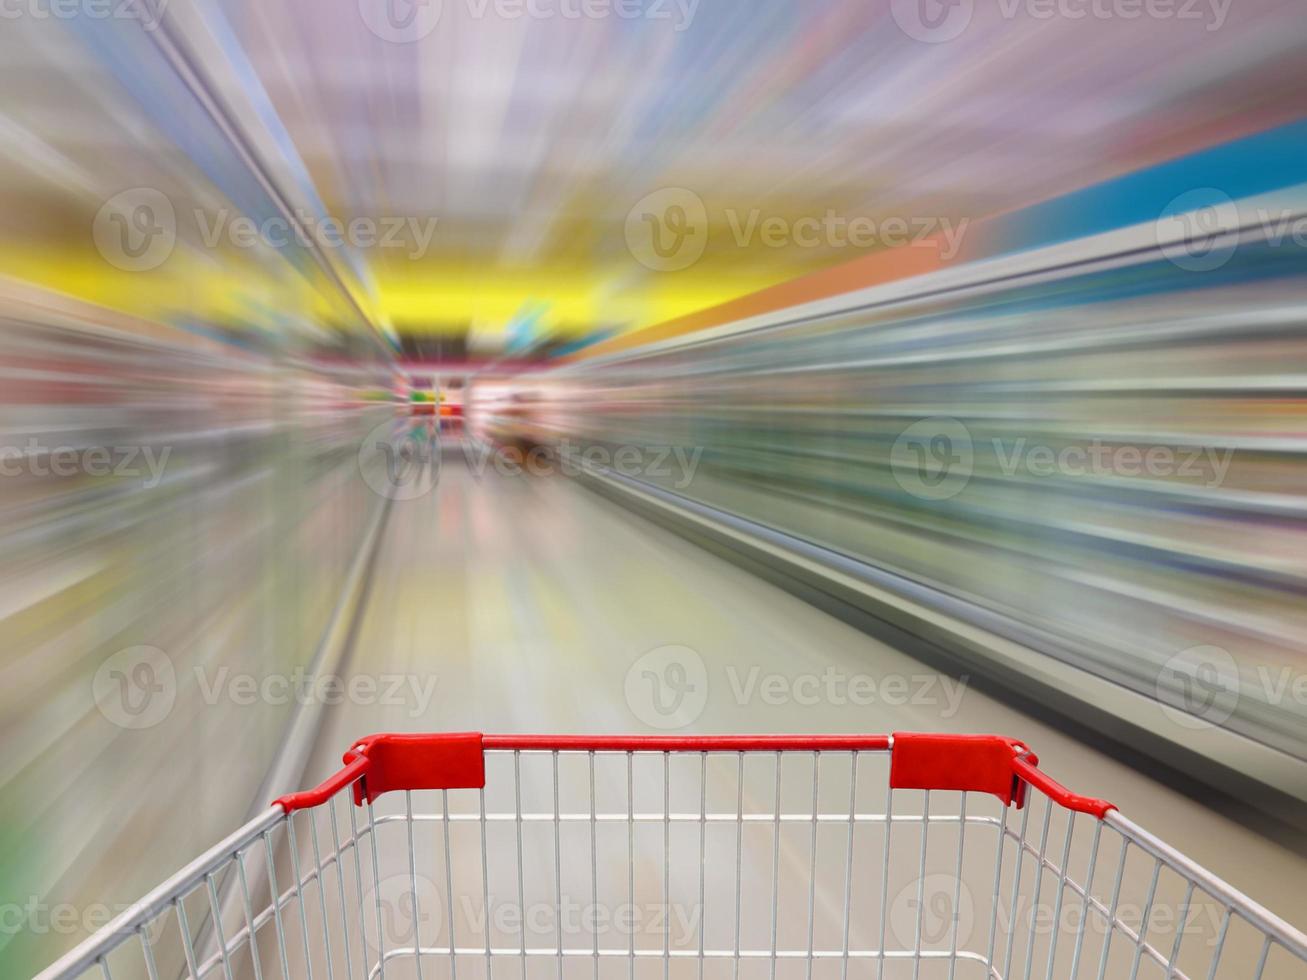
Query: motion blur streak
{"points": [[1009, 306], [161, 491], [1096, 439]]}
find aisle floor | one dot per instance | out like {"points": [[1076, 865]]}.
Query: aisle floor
{"points": [[530, 604]]}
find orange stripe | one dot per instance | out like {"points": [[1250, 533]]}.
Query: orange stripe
{"points": [[869, 270]]}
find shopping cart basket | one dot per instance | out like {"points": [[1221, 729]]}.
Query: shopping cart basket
{"points": [[748, 858]]}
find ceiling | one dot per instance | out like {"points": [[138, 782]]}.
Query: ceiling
{"points": [[512, 145]]}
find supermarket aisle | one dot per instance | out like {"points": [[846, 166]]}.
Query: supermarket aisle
{"points": [[529, 604]]}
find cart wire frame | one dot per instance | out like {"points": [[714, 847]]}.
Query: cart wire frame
{"points": [[229, 878]]}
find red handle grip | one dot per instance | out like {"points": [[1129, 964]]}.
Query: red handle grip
{"points": [[967, 763]]}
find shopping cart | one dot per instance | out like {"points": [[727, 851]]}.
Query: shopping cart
{"points": [[784, 858]]}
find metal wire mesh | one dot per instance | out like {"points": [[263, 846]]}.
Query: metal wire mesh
{"points": [[584, 865]]}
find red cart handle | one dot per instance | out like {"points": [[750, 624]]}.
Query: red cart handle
{"points": [[967, 763]]}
